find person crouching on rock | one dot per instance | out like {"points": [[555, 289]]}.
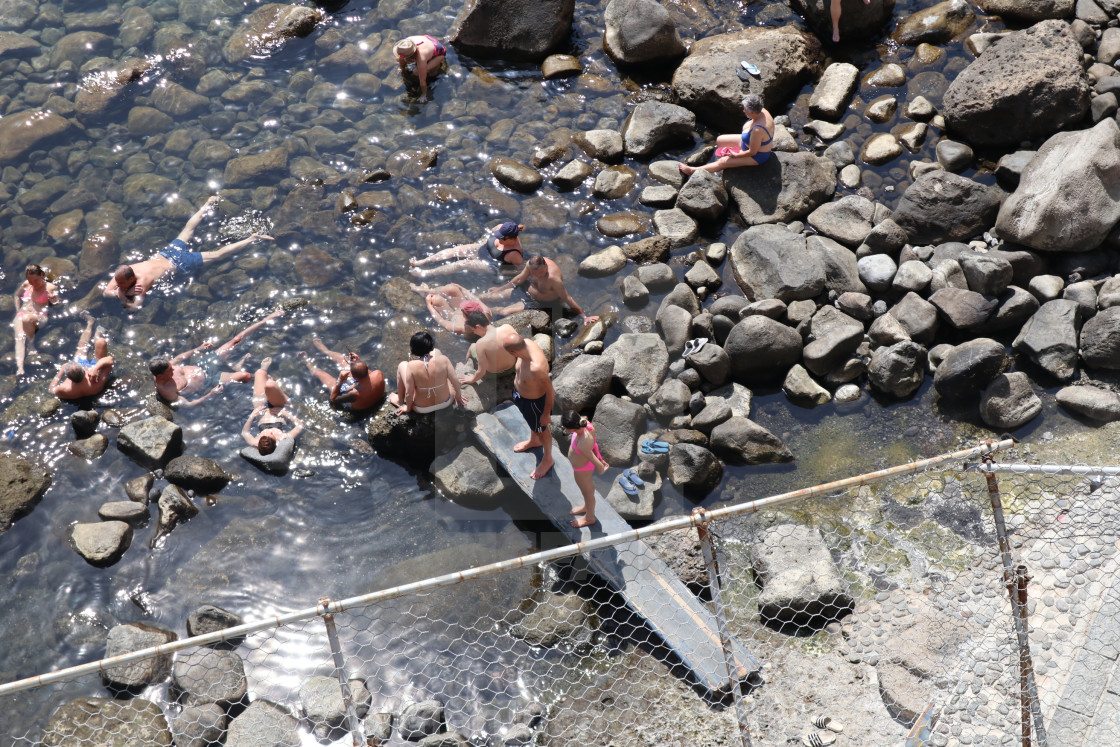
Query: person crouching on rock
{"points": [[85, 376], [356, 389], [583, 453], [752, 148], [427, 52], [428, 383], [269, 402]]}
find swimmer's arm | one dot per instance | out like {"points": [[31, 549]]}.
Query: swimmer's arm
{"points": [[184, 356], [54, 382], [192, 402], [245, 242], [102, 367], [245, 434], [454, 380], [422, 73], [52, 294], [479, 369], [298, 423], [15, 296], [337, 395]]}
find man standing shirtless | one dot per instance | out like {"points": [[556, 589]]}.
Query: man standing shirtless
{"points": [[130, 283], [487, 352], [356, 388], [533, 394], [546, 288], [85, 377], [174, 381]]}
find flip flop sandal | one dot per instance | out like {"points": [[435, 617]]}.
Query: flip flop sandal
{"points": [[744, 75], [692, 347], [818, 740], [824, 722], [627, 486], [655, 447], [748, 68], [632, 476]]}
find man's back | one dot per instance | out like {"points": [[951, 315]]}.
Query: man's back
{"points": [[489, 350]]}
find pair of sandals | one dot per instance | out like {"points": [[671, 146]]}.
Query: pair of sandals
{"points": [[630, 482], [655, 447], [692, 347], [823, 739]]}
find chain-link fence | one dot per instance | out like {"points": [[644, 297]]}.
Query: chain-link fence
{"points": [[878, 607]]}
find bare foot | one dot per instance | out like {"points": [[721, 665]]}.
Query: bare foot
{"points": [[542, 468], [586, 521], [420, 287], [417, 272], [241, 363], [835, 35], [266, 362], [301, 355], [532, 443], [579, 510], [319, 345], [686, 169], [278, 312]]}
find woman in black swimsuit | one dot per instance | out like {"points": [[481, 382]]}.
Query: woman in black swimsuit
{"points": [[270, 402], [501, 248]]}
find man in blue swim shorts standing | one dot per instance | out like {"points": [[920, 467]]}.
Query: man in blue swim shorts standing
{"points": [[533, 394], [130, 283]]}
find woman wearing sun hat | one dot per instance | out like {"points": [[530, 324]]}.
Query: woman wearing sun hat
{"points": [[500, 248], [426, 51]]}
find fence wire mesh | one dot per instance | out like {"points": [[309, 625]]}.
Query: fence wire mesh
{"points": [[872, 610]]}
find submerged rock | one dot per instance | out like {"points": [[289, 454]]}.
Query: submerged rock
{"points": [[108, 722], [129, 637], [101, 543], [22, 486], [196, 473], [263, 722], [268, 28]]}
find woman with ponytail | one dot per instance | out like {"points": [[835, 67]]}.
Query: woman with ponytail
{"points": [[584, 455]]}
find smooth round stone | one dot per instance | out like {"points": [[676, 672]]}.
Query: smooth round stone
{"points": [[920, 109], [927, 54], [880, 149], [851, 176], [667, 172], [953, 156], [658, 196], [824, 130], [516, 176], [126, 511], [882, 108], [847, 393], [561, 66], [890, 75], [617, 225]]}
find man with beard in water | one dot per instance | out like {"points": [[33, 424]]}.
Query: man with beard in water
{"points": [[85, 376], [356, 389], [130, 283], [533, 394], [174, 381], [546, 290]]}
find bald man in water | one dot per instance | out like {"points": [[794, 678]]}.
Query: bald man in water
{"points": [[533, 394]]}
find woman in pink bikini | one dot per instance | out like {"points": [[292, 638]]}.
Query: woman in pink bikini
{"points": [[584, 455], [427, 52], [752, 148], [32, 298]]}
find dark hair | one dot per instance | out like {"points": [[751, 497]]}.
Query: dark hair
{"points": [[158, 365], [537, 262], [123, 273], [266, 445], [358, 369], [572, 420], [421, 343], [478, 319], [32, 269], [74, 372]]}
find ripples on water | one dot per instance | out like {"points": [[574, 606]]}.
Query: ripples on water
{"points": [[268, 545]]}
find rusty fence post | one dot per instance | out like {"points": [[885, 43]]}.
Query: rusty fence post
{"points": [[1015, 581], [352, 722], [701, 519]]}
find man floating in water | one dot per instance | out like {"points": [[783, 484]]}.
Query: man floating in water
{"points": [[130, 283], [85, 376], [356, 388], [174, 380]]}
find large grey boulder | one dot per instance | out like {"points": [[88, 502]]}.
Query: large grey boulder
{"points": [[987, 273], [24, 131], [1031, 11], [841, 267], [1016, 306], [935, 24], [263, 723], [694, 470], [655, 125], [1025, 86], [323, 706], [129, 637], [640, 32], [848, 220], [101, 543], [618, 424], [1049, 338], [513, 29], [209, 675], [801, 389], [101, 721], [743, 441], [786, 188], [703, 196], [583, 382], [969, 367], [713, 363], [670, 399], [151, 442], [762, 349], [917, 316], [641, 361], [22, 485], [707, 81], [858, 19], [1009, 401], [770, 261], [1074, 173], [941, 206], [268, 28], [964, 309], [419, 720], [199, 474], [199, 726], [1100, 340], [467, 475], [1091, 402], [899, 369], [801, 586], [834, 337]]}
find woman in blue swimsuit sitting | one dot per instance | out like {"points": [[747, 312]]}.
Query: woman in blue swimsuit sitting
{"points": [[427, 52], [752, 148]]}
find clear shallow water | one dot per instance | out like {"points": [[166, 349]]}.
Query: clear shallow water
{"points": [[271, 545]]}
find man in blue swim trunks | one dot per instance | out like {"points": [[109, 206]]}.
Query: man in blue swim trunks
{"points": [[533, 394], [130, 283], [174, 380], [85, 376]]}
